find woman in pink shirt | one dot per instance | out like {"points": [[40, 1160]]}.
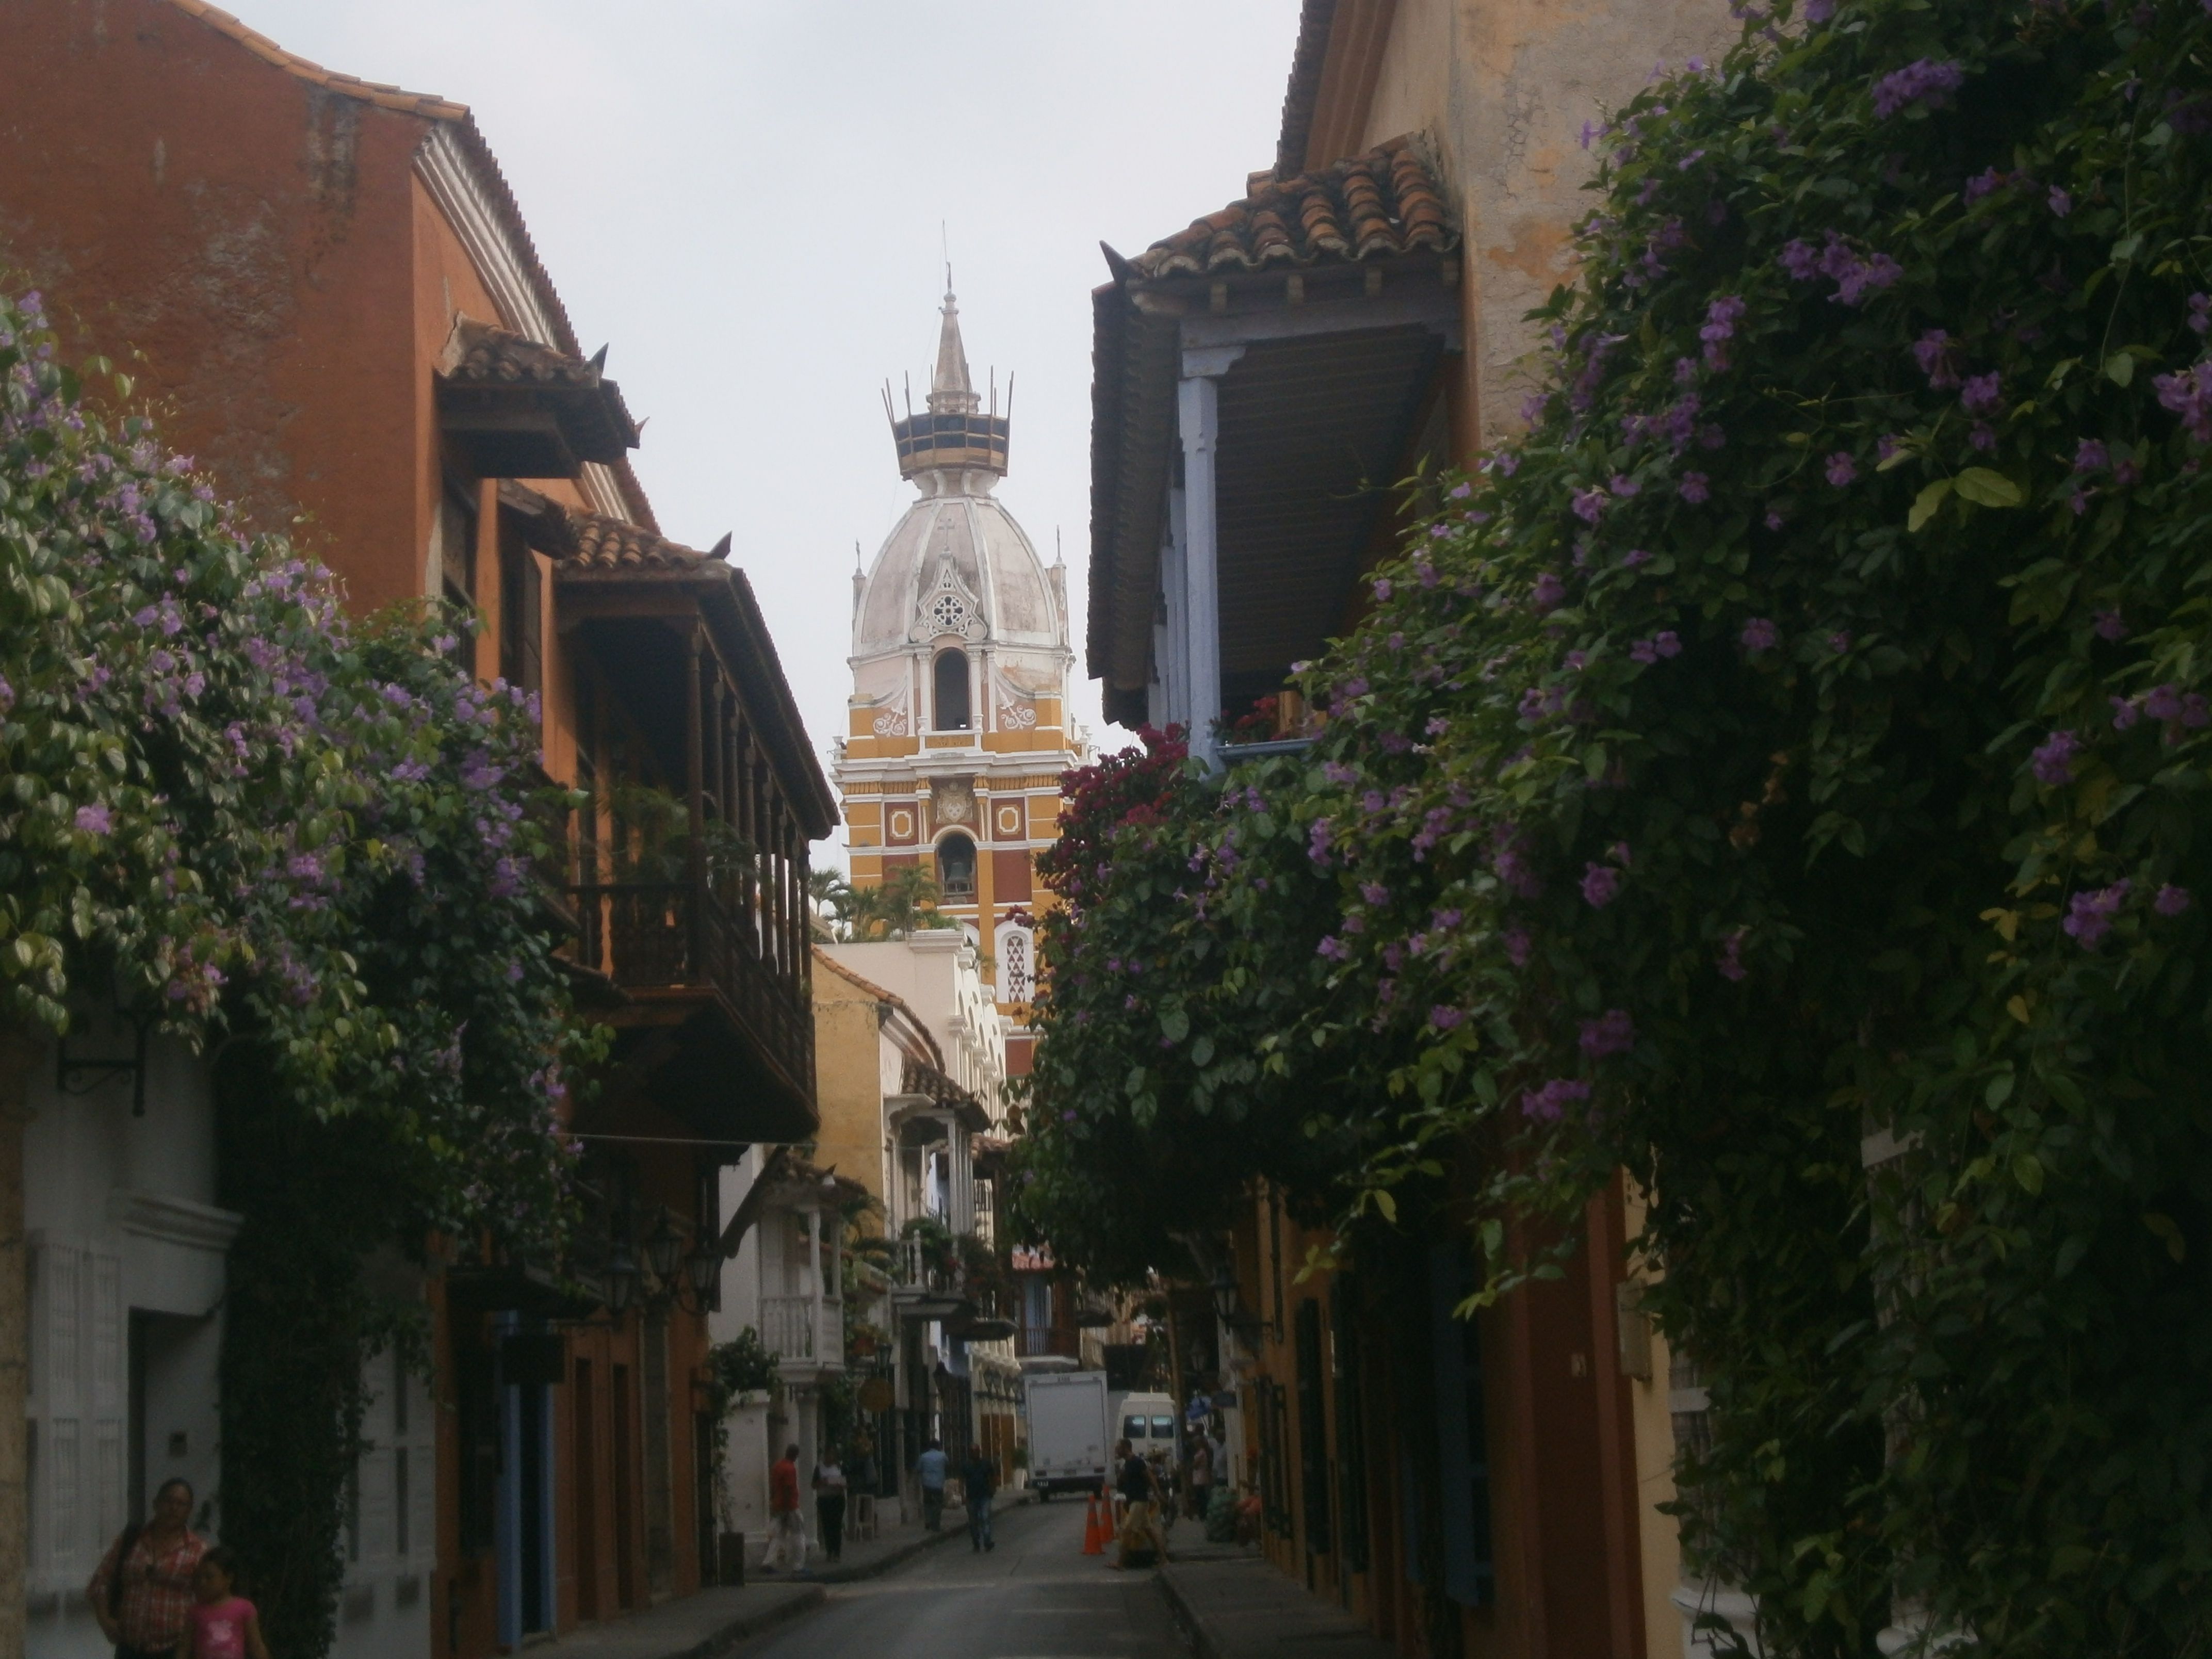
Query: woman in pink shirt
{"points": [[225, 1624]]}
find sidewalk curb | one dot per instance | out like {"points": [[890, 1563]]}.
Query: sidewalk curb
{"points": [[1204, 1643], [882, 1563], [738, 1630]]}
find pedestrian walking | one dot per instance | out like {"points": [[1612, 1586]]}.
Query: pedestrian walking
{"points": [[1141, 1543], [830, 1488], [1201, 1479], [224, 1624], [930, 1469], [141, 1592], [978, 1480], [786, 1526]]}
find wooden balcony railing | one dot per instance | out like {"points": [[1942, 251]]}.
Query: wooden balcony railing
{"points": [[671, 935], [1036, 1342], [804, 1328]]}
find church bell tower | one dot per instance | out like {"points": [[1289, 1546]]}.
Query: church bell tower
{"points": [[958, 726]]}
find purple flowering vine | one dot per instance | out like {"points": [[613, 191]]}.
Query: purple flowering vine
{"points": [[1924, 81]]}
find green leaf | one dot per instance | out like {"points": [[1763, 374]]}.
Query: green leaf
{"points": [[1175, 1024], [1925, 504], [2165, 1228], [2027, 1170], [1201, 1051], [2126, 249], [1986, 488], [2120, 368]]}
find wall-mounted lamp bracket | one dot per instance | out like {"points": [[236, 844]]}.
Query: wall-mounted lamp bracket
{"points": [[82, 1076]]}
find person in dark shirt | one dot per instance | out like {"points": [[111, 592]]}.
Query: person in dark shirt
{"points": [[978, 1480], [1139, 1489]]}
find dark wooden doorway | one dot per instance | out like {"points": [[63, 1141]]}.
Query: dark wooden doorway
{"points": [[625, 1449], [583, 1405]]}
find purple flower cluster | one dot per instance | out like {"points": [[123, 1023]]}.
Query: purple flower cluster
{"points": [[1720, 317], [1666, 643], [1695, 488], [2052, 762], [2089, 914], [1549, 1103], [1729, 961], [1936, 353], [1613, 1032], [1760, 634], [1923, 82], [1600, 885], [1855, 275], [2189, 394]]}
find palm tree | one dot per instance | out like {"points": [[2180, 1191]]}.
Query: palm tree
{"points": [[831, 899], [905, 902]]}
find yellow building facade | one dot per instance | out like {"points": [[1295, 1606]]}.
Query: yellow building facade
{"points": [[958, 726]]}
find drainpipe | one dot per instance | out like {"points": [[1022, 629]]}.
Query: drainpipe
{"points": [[18, 1053]]}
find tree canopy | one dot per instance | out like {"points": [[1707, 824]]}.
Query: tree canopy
{"points": [[1781, 773]]}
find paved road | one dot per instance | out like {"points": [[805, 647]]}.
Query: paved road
{"points": [[1037, 1596]]}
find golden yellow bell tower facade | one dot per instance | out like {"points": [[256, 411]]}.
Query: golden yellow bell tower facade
{"points": [[958, 728]]}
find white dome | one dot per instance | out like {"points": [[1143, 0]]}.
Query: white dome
{"points": [[955, 563]]}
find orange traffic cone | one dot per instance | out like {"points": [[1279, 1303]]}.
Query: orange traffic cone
{"points": [[1094, 1528]]}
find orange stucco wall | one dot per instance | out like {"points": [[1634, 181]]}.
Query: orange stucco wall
{"points": [[238, 239]]}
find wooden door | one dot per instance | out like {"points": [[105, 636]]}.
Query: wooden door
{"points": [[582, 1405], [625, 1494]]}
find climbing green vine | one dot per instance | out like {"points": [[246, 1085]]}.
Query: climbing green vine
{"points": [[1782, 774], [303, 844]]}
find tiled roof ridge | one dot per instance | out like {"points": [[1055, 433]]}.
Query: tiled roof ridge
{"points": [[606, 543], [352, 86], [1303, 93], [463, 123], [1385, 202], [487, 351]]}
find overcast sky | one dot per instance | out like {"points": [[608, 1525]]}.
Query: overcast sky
{"points": [[743, 199]]}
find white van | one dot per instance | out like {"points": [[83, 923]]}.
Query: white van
{"points": [[1147, 1422]]}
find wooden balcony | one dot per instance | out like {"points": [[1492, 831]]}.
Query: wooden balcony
{"points": [[804, 1330], [703, 969], [1044, 1341]]}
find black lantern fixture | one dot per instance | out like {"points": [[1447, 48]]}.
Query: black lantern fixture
{"points": [[703, 1268], [620, 1279], [1224, 1286], [665, 1251]]}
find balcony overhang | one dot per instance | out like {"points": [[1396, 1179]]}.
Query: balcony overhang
{"points": [[511, 407], [1286, 347], [708, 1066]]}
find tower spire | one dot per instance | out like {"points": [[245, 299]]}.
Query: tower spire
{"points": [[951, 392]]}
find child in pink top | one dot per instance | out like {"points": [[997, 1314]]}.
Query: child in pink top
{"points": [[225, 1624]]}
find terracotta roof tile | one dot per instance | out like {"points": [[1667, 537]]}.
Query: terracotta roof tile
{"points": [[604, 544], [1383, 202], [479, 351], [1315, 19]]}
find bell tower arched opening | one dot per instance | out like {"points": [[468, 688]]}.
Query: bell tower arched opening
{"points": [[955, 866], [949, 705]]}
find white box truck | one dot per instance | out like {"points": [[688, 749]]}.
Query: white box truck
{"points": [[1069, 1447]]}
